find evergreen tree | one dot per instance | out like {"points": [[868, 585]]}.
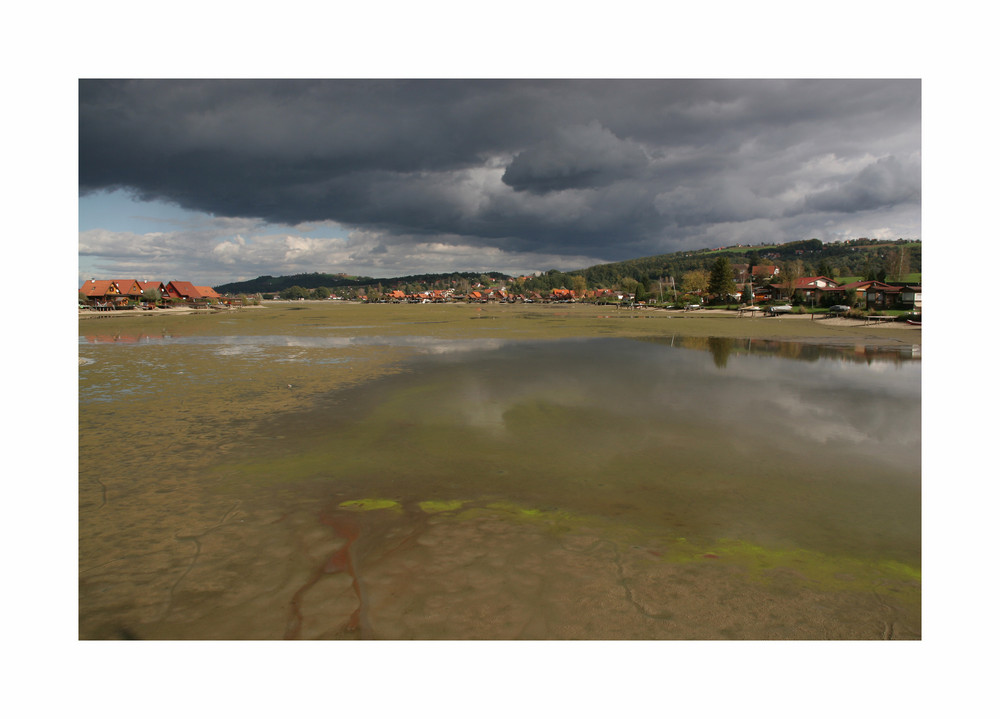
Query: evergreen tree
{"points": [[720, 281]]}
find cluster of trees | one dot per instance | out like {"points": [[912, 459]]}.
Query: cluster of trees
{"points": [[855, 258], [297, 292]]}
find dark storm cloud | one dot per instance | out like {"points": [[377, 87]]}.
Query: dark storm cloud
{"points": [[612, 168], [885, 183], [575, 157]]}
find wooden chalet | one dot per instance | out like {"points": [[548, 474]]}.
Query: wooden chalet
{"points": [[117, 294], [178, 290], [129, 289], [883, 296], [188, 292], [153, 285], [103, 294], [208, 293]]}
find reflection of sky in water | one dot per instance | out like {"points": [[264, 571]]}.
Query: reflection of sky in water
{"points": [[234, 345], [823, 453], [826, 401], [872, 410]]}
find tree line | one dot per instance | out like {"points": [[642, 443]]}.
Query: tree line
{"points": [[661, 276]]}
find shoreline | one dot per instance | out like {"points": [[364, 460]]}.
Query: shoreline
{"points": [[160, 312], [472, 322], [733, 314]]}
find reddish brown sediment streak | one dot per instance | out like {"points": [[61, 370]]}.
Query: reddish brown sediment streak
{"points": [[340, 561]]}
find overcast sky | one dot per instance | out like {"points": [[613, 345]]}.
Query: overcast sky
{"points": [[216, 181]]}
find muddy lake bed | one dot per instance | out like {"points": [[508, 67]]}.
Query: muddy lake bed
{"points": [[320, 471]]}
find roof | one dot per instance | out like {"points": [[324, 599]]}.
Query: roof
{"points": [[875, 284], [128, 287], [184, 289], [99, 288], [207, 292], [804, 282], [860, 285]]}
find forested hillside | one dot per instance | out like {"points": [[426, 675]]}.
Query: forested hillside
{"points": [[854, 258], [869, 259]]}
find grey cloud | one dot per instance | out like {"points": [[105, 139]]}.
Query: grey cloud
{"points": [[884, 183], [576, 157], [608, 168]]}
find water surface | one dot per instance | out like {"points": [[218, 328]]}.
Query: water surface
{"points": [[585, 488]]}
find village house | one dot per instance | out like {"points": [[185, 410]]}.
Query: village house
{"points": [[129, 289], [824, 291], [119, 294], [208, 293], [102, 294], [811, 288], [882, 296], [153, 285], [178, 290]]}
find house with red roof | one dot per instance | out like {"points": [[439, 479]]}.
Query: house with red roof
{"points": [[179, 290], [99, 289], [765, 270], [129, 288], [153, 285], [208, 293], [103, 294], [190, 293]]}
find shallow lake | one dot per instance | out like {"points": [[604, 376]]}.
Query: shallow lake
{"points": [[683, 488]]}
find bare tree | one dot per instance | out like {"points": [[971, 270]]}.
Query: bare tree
{"points": [[791, 272]]}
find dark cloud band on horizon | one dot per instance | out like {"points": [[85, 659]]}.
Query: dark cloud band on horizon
{"points": [[609, 168]]}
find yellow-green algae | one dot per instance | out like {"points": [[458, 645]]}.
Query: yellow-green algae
{"points": [[821, 571], [367, 505], [436, 507], [818, 570]]}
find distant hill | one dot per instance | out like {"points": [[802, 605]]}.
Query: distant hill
{"points": [[267, 284], [860, 257]]}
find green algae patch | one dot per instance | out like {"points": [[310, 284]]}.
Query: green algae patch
{"points": [[436, 507], [534, 514], [820, 571], [368, 505]]}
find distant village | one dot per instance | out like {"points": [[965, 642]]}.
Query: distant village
{"points": [[817, 291], [748, 285]]}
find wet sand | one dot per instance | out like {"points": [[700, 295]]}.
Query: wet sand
{"points": [[158, 545]]}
